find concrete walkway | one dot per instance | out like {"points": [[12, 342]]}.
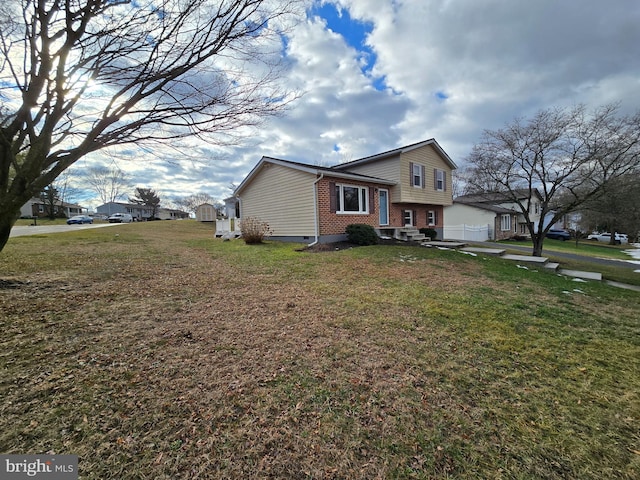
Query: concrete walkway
{"points": [[531, 260]]}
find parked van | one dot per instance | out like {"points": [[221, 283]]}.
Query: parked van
{"points": [[120, 218]]}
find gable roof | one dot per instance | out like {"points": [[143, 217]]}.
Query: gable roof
{"points": [[397, 151], [497, 197], [488, 207], [311, 169]]}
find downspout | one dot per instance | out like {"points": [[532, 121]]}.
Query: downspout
{"points": [[315, 210], [236, 220]]}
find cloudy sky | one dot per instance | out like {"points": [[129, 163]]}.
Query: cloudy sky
{"points": [[379, 74]]}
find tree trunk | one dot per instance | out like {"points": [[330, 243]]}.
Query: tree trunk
{"points": [[538, 240], [7, 220]]}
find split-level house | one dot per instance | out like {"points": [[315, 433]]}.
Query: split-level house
{"points": [[397, 192]]}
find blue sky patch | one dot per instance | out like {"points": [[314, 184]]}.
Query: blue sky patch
{"points": [[354, 33], [441, 96]]}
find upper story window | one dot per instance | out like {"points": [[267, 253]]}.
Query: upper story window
{"points": [[440, 180], [417, 175], [352, 199]]}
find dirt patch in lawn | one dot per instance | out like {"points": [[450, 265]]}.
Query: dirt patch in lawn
{"points": [[337, 246]]}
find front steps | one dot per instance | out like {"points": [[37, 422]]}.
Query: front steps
{"points": [[409, 234]]}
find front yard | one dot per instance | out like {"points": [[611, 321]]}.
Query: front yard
{"points": [[161, 352]]}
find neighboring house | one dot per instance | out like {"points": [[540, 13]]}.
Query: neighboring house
{"points": [[569, 221], [38, 208], [206, 213], [479, 222], [494, 202], [138, 212], [396, 192], [171, 214]]}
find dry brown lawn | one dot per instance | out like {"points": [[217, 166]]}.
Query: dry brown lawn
{"points": [[160, 352]]}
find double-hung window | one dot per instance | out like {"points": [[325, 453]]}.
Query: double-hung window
{"points": [[352, 199], [432, 217], [505, 222], [440, 180], [417, 175]]}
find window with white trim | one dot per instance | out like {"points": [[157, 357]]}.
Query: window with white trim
{"points": [[440, 180], [432, 217], [416, 175], [352, 199], [505, 222]]}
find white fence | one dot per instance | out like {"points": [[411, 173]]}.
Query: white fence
{"points": [[228, 226], [473, 233]]}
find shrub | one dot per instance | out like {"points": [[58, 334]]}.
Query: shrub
{"points": [[361, 234], [429, 232], [254, 230]]}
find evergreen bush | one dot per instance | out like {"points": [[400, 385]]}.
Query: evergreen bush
{"points": [[361, 234], [429, 232]]}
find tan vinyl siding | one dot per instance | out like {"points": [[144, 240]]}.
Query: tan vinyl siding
{"points": [[429, 157], [389, 169], [284, 198]]}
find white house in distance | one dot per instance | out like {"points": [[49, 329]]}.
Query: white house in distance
{"points": [[140, 212], [490, 216]]}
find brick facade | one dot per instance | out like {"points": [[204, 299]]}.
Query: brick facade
{"points": [[332, 223]]}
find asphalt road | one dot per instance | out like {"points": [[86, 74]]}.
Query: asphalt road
{"points": [[631, 263], [21, 231]]}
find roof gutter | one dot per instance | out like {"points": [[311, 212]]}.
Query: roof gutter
{"points": [[315, 210]]}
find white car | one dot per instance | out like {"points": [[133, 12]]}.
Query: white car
{"points": [[120, 218], [620, 238]]}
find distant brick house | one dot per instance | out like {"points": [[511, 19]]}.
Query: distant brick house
{"points": [[397, 192]]}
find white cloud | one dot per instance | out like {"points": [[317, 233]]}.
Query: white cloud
{"points": [[453, 68]]}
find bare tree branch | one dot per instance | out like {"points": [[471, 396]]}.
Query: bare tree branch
{"points": [[81, 75], [569, 156]]}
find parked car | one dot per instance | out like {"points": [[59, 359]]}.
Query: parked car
{"points": [[79, 219], [120, 218], [557, 234], [620, 238]]}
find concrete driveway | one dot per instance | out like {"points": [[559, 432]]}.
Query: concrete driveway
{"points": [[21, 231]]}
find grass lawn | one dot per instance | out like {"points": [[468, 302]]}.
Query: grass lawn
{"points": [[587, 248], [156, 351]]}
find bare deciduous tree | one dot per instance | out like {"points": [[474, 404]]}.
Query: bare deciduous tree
{"points": [[109, 183], [77, 76], [568, 155], [192, 202]]}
